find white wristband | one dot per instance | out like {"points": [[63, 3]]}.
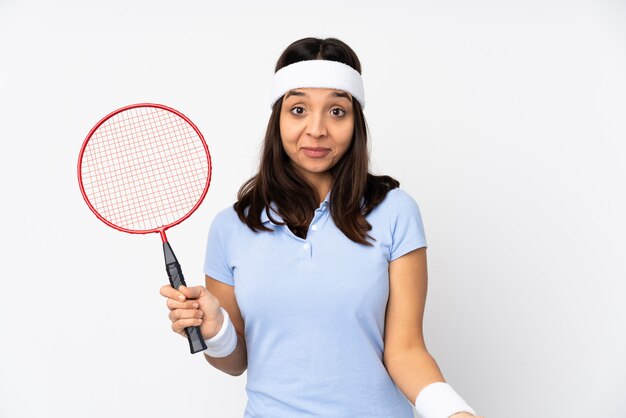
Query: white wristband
{"points": [[224, 342], [439, 400]]}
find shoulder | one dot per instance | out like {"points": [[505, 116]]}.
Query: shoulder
{"points": [[399, 195], [226, 219], [398, 200], [398, 209]]}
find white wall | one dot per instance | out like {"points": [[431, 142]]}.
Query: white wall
{"points": [[505, 120]]}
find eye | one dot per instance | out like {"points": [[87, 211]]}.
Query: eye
{"points": [[297, 107], [340, 110]]}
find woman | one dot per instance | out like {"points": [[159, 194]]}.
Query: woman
{"points": [[316, 277]]}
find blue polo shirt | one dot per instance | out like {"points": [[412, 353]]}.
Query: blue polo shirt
{"points": [[314, 310]]}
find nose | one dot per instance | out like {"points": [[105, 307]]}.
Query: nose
{"points": [[317, 125]]}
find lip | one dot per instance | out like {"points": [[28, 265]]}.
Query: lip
{"points": [[315, 152]]}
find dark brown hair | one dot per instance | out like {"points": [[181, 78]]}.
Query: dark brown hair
{"points": [[296, 200]]}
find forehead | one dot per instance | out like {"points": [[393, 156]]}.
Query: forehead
{"points": [[322, 92]]}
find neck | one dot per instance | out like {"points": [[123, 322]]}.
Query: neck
{"points": [[321, 184]]}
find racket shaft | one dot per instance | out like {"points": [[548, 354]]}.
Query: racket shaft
{"points": [[175, 274]]}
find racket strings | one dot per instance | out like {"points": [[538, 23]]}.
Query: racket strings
{"points": [[144, 168]]}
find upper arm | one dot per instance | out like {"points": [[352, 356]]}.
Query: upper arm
{"points": [[226, 295], [408, 282]]}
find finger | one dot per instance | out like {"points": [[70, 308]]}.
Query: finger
{"points": [[181, 324], [165, 290], [173, 304], [192, 292], [169, 292], [184, 314]]}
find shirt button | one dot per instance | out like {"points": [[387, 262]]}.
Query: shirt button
{"points": [[305, 246], [314, 227]]}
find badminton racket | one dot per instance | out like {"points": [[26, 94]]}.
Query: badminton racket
{"points": [[142, 169]]}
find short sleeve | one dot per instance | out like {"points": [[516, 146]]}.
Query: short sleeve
{"points": [[408, 229], [217, 252]]}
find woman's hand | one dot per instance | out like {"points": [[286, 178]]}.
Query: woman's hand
{"points": [[465, 415], [197, 307]]}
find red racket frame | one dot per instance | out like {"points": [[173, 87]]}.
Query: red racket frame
{"points": [[160, 230]]}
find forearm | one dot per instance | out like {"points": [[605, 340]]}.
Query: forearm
{"points": [[233, 364], [412, 370]]}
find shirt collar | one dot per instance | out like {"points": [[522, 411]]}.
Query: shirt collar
{"points": [[276, 216]]}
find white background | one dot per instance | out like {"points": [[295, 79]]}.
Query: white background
{"points": [[505, 120]]}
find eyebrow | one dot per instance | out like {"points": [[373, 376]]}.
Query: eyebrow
{"points": [[300, 93]]}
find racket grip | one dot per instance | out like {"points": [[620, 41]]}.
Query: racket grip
{"points": [[175, 274]]}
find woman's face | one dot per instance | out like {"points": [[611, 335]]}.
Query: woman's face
{"points": [[316, 126]]}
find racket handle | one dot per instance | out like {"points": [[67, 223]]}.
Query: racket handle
{"points": [[175, 274]]}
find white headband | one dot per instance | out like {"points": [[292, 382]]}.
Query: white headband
{"points": [[318, 74]]}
